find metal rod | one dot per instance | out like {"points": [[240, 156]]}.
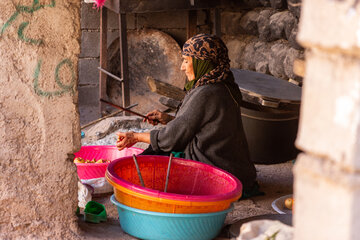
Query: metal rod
{"points": [[106, 116], [168, 172], [110, 74], [124, 68], [138, 171], [126, 110]]}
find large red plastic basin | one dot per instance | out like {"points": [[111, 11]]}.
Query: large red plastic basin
{"points": [[193, 187]]}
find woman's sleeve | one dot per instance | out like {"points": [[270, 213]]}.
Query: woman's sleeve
{"points": [[179, 132]]}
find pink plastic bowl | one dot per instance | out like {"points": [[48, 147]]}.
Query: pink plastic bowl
{"points": [[188, 181], [97, 170]]}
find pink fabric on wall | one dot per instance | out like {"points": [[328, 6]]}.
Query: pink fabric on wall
{"points": [[99, 3]]}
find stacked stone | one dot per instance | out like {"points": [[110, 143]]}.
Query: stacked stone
{"points": [[263, 39]]}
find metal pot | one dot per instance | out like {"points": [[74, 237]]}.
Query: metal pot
{"points": [[270, 115]]}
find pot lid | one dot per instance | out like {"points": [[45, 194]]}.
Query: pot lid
{"points": [[265, 89]]}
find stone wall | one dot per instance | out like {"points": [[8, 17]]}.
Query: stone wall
{"points": [[39, 121], [172, 23], [260, 38], [263, 39]]}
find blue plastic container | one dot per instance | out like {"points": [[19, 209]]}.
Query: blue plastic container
{"points": [[169, 226]]}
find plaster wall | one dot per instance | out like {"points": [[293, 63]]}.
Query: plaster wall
{"points": [[326, 200], [331, 95], [344, 19], [39, 120], [327, 174]]}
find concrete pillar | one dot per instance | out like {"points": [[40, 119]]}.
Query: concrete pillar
{"points": [[39, 121], [327, 179]]}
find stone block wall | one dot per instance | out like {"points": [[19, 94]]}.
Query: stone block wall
{"points": [[172, 23], [261, 38]]}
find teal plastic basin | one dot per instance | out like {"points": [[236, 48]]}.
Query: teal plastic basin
{"points": [[169, 226]]}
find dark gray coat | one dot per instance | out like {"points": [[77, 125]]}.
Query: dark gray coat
{"points": [[208, 128]]}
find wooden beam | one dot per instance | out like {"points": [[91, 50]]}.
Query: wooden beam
{"points": [[165, 89], [146, 6], [191, 24], [123, 48], [103, 59], [217, 23]]}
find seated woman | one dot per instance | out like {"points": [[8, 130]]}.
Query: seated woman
{"points": [[207, 126]]}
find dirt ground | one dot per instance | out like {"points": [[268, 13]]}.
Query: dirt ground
{"points": [[275, 181]]}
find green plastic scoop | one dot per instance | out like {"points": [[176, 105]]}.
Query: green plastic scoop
{"points": [[95, 212]]}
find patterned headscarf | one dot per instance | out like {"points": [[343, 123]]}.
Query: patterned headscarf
{"points": [[209, 47]]}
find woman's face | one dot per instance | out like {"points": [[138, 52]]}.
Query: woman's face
{"points": [[187, 66]]}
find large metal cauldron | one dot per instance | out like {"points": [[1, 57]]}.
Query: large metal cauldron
{"points": [[270, 115]]}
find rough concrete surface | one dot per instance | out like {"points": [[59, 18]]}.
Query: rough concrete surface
{"points": [[317, 178], [39, 122], [340, 76], [343, 17], [327, 175]]}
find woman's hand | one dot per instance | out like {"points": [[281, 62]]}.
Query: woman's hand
{"points": [[128, 139], [125, 140], [154, 117]]}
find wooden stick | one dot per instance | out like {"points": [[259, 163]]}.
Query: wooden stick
{"points": [[168, 172], [107, 116], [138, 171], [124, 109], [100, 119], [129, 111]]}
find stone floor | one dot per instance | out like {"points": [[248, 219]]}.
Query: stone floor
{"points": [[275, 181]]}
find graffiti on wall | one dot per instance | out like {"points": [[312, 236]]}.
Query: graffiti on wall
{"points": [[64, 88], [25, 9], [36, 6]]}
